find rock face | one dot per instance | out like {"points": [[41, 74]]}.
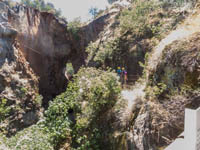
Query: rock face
{"points": [[34, 49], [44, 42], [48, 46], [178, 70], [18, 83], [105, 30], [172, 86]]}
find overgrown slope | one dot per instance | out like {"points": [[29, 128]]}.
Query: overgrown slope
{"points": [[156, 41]]}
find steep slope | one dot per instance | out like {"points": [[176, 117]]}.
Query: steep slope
{"points": [[44, 42], [35, 46], [160, 113], [190, 26], [18, 84], [172, 69]]}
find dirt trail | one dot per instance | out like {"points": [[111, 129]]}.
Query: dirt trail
{"points": [[131, 96], [187, 28]]}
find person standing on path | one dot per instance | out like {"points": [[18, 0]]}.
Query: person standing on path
{"points": [[119, 71], [124, 77]]}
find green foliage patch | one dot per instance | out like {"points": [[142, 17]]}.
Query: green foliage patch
{"points": [[32, 138], [42, 6], [74, 28], [75, 112], [137, 19], [70, 69], [4, 110], [106, 54]]}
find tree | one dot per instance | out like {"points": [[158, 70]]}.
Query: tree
{"points": [[26, 2], [93, 11], [42, 6], [111, 1]]}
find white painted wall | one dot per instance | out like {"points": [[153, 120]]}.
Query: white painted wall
{"points": [[191, 133]]}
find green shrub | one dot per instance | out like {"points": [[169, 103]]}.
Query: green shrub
{"points": [[179, 3], [157, 90], [106, 54], [57, 122], [42, 6], [99, 93], [38, 99], [108, 51], [92, 92], [91, 49], [70, 69], [99, 88], [23, 91], [32, 138], [4, 110], [137, 20], [74, 28]]}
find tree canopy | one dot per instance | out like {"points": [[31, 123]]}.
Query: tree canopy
{"points": [[42, 6], [93, 11]]}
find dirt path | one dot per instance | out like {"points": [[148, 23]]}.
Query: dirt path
{"points": [[131, 97], [187, 28]]}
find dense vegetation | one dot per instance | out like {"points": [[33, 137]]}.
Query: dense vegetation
{"points": [[4, 110], [73, 116], [137, 20], [74, 28], [74, 119]]}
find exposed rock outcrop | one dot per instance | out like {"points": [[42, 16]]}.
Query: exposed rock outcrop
{"points": [[44, 42], [35, 47], [18, 83], [177, 72]]}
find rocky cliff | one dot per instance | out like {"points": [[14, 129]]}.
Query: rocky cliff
{"points": [[44, 42], [35, 47], [19, 84]]}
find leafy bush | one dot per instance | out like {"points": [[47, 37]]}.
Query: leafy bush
{"points": [[74, 28], [91, 49], [70, 69], [108, 51], [99, 92], [42, 6], [57, 122], [176, 3], [38, 99], [32, 138], [137, 19], [92, 92], [106, 54], [99, 88], [157, 90], [4, 110], [22, 92]]}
